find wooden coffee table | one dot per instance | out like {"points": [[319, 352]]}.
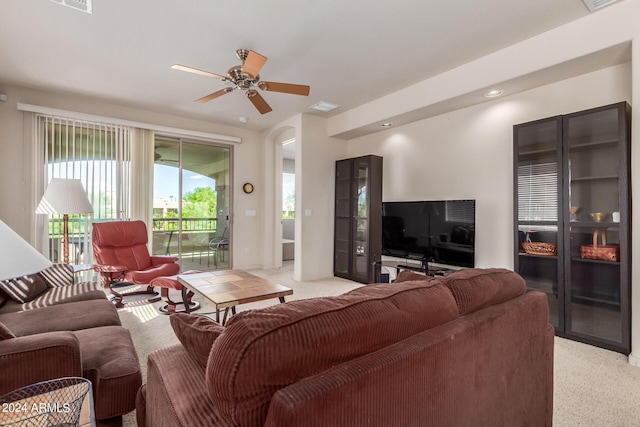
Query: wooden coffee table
{"points": [[224, 289]]}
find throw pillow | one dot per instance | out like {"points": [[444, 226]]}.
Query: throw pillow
{"points": [[5, 333], [24, 289], [58, 275], [196, 333], [476, 288]]}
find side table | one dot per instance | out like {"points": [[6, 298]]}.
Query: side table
{"points": [[80, 272]]}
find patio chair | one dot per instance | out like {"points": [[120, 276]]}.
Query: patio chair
{"points": [[218, 245], [121, 252]]}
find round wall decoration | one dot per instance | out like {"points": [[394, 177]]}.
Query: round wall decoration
{"points": [[247, 188]]}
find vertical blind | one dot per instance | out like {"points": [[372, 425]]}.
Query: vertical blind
{"points": [[460, 211], [99, 154], [538, 192]]}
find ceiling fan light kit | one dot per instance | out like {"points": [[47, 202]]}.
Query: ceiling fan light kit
{"points": [[246, 77]]}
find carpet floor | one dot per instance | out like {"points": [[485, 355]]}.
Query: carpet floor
{"points": [[592, 386]]}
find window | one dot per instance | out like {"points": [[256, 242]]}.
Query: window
{"points": [[98, 154], [538, 192], [191, 204], [463, 211], [288, 195]]}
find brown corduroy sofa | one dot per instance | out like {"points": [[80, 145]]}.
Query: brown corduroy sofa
{"points": [[469, 349], [70, 330]]}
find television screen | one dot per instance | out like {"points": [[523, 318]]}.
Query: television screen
{"points": [[441, 231]]}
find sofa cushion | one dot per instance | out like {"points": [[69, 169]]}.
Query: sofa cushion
{"points": [[62, 317], [476, 288], [61, 295], [58, 275], [196, 333], [176, 393], [24, 289], [110, 362], [5, 333], [262, 351]]}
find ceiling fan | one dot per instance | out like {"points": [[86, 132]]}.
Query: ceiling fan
{"points": [[246, 78]]}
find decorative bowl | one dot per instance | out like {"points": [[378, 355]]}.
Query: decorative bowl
{"points": [[598, 216], [574, 209]]}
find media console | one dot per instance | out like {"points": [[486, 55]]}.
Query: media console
{"points": [[422, 267]]}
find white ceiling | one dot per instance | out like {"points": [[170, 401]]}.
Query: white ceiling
{"points": [[349, 51]]}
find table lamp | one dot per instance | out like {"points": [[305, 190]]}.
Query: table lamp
{"points": [[65, 197], [18, 258]]}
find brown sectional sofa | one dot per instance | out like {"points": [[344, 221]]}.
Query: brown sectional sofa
{"points": [[70, 330], [469, 349]]}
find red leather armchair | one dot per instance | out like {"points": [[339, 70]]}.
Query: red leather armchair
{"points": [[120, 249]]}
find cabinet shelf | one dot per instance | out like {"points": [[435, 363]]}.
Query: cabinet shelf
{"points": [[524, 254], [594, 178], [535, 154], [613, 226], [595, 261], [595, 299], [522, 222], [594, 144]]}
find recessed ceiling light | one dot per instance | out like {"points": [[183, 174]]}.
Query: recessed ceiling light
{"points": [[243, 119], [493, 93], [386, 125], [324, 106]]}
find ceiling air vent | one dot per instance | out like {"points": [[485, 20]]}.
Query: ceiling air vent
{"points": [[594, 5], [83, 5]]}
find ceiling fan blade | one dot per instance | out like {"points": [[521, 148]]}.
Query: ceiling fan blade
{"points": [[258, 101], [285, 88], [254, 63], [196, 71], [214, 95]]}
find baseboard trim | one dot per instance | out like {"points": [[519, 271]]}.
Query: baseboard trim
{"points": [[634, 361]]}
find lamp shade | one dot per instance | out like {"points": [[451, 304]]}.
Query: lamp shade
{"points": [[17, 257], [64, 196]]}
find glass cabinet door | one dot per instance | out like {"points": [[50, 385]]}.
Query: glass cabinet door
{"points": [[342, 239], [361, 214], [537, 193], [358, 218], [597, 218]]}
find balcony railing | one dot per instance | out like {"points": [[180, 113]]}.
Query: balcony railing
{"points": [[164, 237], [188, 224]]}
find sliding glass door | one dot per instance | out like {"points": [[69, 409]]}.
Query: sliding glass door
{"points": [[191, 203]]}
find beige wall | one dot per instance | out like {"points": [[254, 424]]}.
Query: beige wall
{"points": [[316, 154]]}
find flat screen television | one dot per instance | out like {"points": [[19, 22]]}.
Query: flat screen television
{"points": [[441, 231]]}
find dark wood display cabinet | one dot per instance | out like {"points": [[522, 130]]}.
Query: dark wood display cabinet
{"points": [[358, 218], [571, 185]]}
